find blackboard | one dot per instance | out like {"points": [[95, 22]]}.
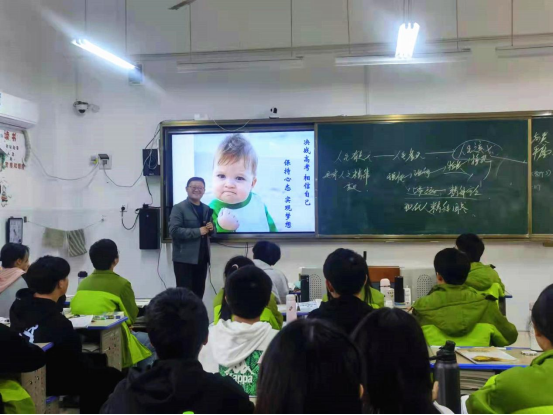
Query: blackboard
{"points": [[423, 178], [542, 179]]}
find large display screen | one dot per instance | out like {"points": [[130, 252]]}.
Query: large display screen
{"points": [[255, 182]]}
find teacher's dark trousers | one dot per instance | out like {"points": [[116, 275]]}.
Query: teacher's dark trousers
{"points": [[191, 276]]}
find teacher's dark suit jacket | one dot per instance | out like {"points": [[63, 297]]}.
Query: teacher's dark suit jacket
{"points": [[184, 227]]}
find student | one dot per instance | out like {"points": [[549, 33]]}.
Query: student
{"points": [[104, 291], [310, 368], [265, 255], [221, 310], [346, 274], [235, 207], [35, 314], [524, 390], [178, 328], [15, 262], [483, 278], [397, 369], [235, 346], [18, 356], [454, 311], [368, 294]]}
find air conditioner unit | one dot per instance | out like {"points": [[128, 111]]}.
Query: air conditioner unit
{"points": [[17, 113], [316, 283]]}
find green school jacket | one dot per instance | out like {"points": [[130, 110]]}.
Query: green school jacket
{"points": [[16, 400], [517, 390], [485, 279], [377, 298], [461, 314], [105, 291], [270, 314]]}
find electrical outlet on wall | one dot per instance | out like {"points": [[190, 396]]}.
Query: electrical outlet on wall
{"points": [[104, 160]]}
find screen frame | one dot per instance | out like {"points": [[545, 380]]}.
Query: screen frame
{"points": [[166, 151], [293, 124]]}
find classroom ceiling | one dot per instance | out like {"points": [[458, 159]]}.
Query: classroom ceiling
{"points": [[139, 27]]}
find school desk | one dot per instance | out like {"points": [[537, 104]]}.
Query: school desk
{"points": [[110, 339], [35, 383], [465, 364]]}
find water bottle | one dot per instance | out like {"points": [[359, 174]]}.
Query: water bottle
{"points": [[407, 296], [388, 292], [448, 376], [82, 275], [399, 293], [291, 308]]}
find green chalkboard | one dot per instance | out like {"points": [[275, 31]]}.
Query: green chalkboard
{"points": [[542, 179], [423, 178]]}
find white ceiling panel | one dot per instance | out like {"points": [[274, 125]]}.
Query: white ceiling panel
{"points": [[479, 18], [533, 16], [153, 28], [320, 22], [240, 24]]}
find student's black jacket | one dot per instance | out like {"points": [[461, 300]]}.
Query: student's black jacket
{"points": [[43, 322], [345, 312], [175, 387], [18, 355]]}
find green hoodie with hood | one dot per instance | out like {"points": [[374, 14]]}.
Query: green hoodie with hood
{"points": [[461, 314], [485, 279], [526, 390]]}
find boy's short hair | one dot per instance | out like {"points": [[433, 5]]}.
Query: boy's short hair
{"points": [[248, 291], [103, 253], [452, 265], [235, 148], [177, 324], [195, 179], [267, 252], [11, 252], [471, 245], [346, 270], [45, 273]]}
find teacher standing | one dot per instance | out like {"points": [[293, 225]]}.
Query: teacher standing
{"points": [[190, 226]]}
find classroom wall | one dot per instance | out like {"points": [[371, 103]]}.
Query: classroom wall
{"points": [[129, 114]]}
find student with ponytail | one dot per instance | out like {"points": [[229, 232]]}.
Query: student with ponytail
{"points": [[524, 390]]}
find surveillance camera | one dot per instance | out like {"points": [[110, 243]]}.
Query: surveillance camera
{"points": [[81, 107]]}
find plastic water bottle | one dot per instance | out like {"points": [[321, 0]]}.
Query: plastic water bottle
{"points": [[533, 342], [291, 308], [448, 375], [407, 296], [82, 275], [388, 292]]}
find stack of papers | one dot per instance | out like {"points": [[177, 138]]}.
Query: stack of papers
{"points": [[81, 322], [483, 355]]}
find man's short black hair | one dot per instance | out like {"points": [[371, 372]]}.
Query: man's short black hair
{"points": [[195, 179], [177, 324], [103, 253], [44, 274], [11, 253], [267, 252], [248, 291], [346, 270], [452, 265], [471, 245]]}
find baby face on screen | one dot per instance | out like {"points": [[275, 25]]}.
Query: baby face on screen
{"points": [[233, 182]]}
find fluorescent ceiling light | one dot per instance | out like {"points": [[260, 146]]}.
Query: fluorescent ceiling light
{"points": [[406, 40], [419, 58], [240, 65], [524, 51], [92, 48]]}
